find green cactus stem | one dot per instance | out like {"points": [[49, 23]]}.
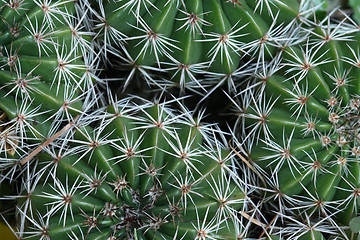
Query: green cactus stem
{"points": [[135, 172]]}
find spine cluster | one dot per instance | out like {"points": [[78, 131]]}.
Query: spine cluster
{"points": [[141, 172], [301, 124], [82, 158], [196, 45]]}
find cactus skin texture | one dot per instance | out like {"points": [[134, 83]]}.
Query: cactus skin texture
{"points": [[46, 73], [304, 131], [42, 39], [146, 175], [190, 38]]}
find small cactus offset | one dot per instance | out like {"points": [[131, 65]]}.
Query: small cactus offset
{"points": [[188, 39], [134, 172], [302, 119]]}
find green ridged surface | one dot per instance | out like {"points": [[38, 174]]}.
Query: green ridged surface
{"points": [[43, 75], [157, 173], [304, 128], [186, 38]]}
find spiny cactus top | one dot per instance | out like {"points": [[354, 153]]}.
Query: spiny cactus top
{"points": [[153, 174], [44, 38], [46, 72], [303, 128], [191, 37]]}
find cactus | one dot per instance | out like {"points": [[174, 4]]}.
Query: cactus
{"points": [[46, 75], [302, 120], [46, 79], [185, 40], [133, 172], [44, 39], [145, 171]]}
